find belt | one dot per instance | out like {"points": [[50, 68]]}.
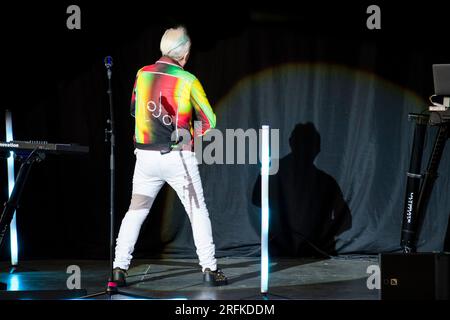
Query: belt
{"points": [[162, 147]]}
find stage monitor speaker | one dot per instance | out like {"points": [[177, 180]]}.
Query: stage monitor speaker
{"points": [[415, 276]]}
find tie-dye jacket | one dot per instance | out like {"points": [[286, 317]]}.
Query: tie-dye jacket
{"points": [[165, 99]]}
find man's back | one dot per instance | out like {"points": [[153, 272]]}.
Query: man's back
{"points": [[163, 98]]}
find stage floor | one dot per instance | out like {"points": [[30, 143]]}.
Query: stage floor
{"points": [[341, 278]]}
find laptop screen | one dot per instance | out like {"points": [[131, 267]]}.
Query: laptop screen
{"points": [[441, 77]]}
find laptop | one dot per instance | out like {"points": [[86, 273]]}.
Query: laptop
{"points": [[441, 76]]}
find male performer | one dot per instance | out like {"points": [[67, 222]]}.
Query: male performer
{"points": [[163, 100]]}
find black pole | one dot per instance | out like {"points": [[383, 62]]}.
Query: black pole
{"points": [[111, 286], [414, 178], [431, 173]]}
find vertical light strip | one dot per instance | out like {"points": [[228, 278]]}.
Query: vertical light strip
{"points": [[265, 164], [11, 181]]}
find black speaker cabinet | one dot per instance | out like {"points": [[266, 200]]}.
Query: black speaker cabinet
{"points": [[415, 276]]}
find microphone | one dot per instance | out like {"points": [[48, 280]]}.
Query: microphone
{"points": [[108, 62]]}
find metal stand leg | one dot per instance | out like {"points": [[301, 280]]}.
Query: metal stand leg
{"points": [[13, 201], [417, 194], [413, 183], [431, 174]]}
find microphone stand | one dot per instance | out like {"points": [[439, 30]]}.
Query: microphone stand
{"points": [[110, 136], [111, 288]]}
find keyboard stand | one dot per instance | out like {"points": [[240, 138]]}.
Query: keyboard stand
{"points": [[13, 202]]}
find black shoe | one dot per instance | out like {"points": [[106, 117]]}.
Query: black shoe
{"points": [[119, 276], [214, 278]]}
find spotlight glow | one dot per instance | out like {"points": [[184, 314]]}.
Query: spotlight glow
{"points": [[265, 165], [11, 181], [14, 283]]}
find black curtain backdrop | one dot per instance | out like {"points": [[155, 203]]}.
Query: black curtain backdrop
{"points": [[338, 93]]}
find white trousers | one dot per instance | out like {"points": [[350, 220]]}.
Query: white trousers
{"points": [[180, 170]]}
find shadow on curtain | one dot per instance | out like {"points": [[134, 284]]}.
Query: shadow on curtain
{"points": [[307, 208]]}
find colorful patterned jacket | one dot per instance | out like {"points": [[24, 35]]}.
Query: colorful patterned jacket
{"points": [[166, 99]]}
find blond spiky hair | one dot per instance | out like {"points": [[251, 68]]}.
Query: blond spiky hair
{"points": [[175, 43]]}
